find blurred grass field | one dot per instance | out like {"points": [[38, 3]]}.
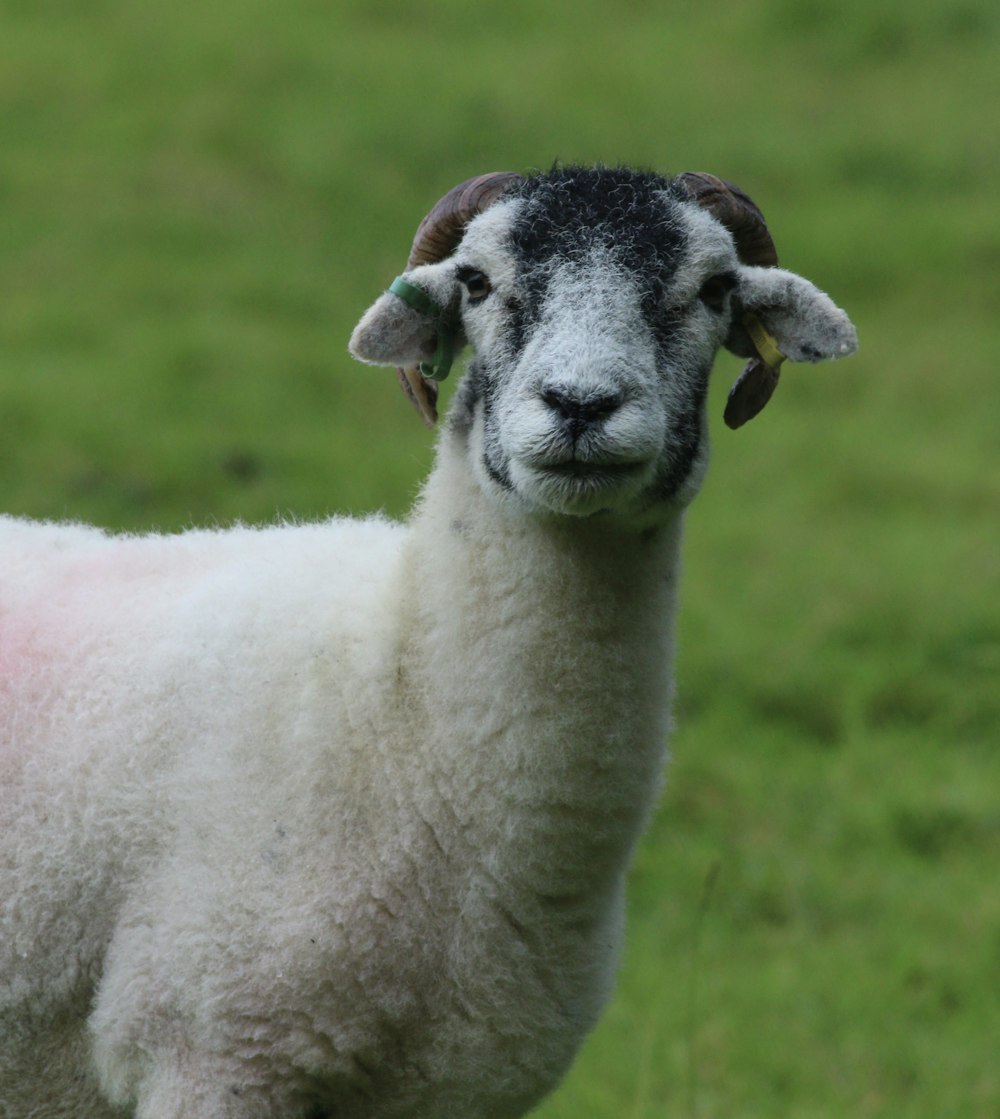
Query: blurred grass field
{"points": [[197, 201]]}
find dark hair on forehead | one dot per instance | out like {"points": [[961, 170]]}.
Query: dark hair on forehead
{"points": [[571, 210]]}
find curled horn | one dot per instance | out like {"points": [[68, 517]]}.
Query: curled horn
{"points": [[737, 211], [436, 238]]}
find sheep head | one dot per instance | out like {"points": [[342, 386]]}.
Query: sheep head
{"points": [[595, 301]]}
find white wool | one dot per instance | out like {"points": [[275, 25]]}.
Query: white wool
{"points": [[276, 770], [333, 820]]}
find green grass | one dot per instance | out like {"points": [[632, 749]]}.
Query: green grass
{"points": [[197, 200]]}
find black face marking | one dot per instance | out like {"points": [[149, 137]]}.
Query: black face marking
{"points": [[633, 224], [684, 440], [477, 388], [498, 473], [515, 326], [494, 457], [572, 211]]}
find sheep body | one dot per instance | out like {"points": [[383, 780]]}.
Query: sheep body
{"points": [[159, 688], [334, 820], [184, 862]]}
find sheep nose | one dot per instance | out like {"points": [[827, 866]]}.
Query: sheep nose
{"points": [[579, 410]]}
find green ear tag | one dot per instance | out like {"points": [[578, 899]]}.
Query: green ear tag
{"points": [[440, 365], [414, 297]]}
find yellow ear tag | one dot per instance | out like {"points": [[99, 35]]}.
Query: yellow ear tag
{"points": [[764, 343]]}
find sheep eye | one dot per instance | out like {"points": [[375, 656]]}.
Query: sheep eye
{"points": [[715, 289], [477, 284]]}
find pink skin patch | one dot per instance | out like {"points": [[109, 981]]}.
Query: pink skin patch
{"points": [[71, 601], [18, 660], [40, 634], [25, 677], [20, 653]]}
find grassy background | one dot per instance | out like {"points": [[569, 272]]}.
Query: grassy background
{"points": [[197, 200]]}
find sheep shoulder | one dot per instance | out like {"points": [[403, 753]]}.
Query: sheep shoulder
{"points": [[154, 690]]}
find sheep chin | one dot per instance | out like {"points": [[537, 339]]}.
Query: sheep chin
{"points": [[582, 489]]}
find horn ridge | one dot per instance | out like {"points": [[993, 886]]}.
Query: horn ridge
{"points": [[441, 230], [737, 211]]}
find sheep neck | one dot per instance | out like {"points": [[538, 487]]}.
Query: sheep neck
{"points": [[539, 657]]}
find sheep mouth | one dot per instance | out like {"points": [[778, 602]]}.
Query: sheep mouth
{"points": [[582, 487], [590, 474], [593, 471]]}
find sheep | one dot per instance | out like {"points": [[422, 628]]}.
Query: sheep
{"points": [[333, 820]]}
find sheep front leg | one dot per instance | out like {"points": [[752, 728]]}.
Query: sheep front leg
{"points": [[175, 1090], [184, 1086], [154, 1068]]}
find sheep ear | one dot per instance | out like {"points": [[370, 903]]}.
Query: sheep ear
{"points": [[414, 327], [392, 332], [780, 315]]}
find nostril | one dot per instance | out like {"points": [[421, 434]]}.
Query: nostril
{"points": [[559, 401], [598, 407], [581, 409]]}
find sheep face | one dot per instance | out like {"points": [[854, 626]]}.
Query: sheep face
{"points": [[595, 302]]}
